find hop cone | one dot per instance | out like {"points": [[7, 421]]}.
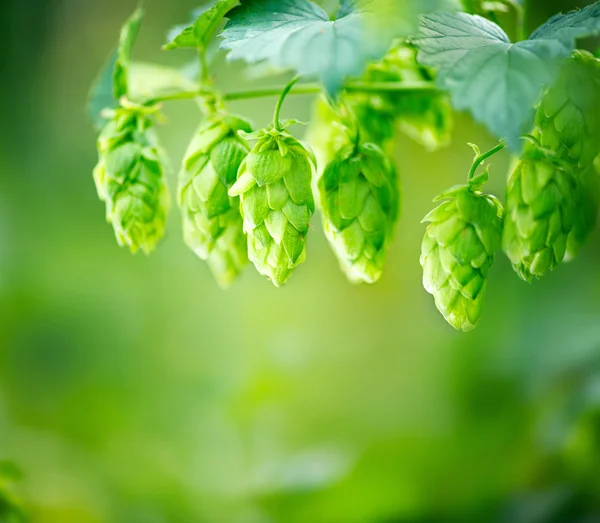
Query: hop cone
{"points": [[212, 222], [457, 252], [540, 209], [568, 118], [274, 183], [426, 117], [130, 179], [360, 200]]}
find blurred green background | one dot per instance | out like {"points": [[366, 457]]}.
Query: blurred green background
{"points": [[133, 390]]}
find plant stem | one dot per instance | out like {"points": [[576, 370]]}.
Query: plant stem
{"points": [[303, 89], [483, 157], [520, 21], [284, 93], [204, 76]]}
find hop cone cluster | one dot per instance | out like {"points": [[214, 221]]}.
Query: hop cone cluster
{"points": [[463, 234], [130, 179], [274, 183], [360, 201], [540, 210], [568, 119], [212, 222]]}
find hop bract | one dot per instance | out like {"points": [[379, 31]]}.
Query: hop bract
{"points": [[274, 183], [212, 222], [568, 118], [360, 201], [130, 178], [458, 250], [540, 210]]}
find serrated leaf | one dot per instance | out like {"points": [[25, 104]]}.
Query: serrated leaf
{"points": [[497, 81], [567, 28], [299, 35], [200, 32], [101, 93], [129, 34]]}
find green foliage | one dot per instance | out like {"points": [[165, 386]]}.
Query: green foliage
{"points": [[569, 27], [129, 34], [130, 178], [101, 94], [212, 222], [200, 32], [458, 250], [477, 63], [540, 209], [11, 506], [360, 201], [274, 184], [293, 33]]}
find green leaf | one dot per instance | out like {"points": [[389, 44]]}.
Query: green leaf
{"points": [[200, 32], [299, 35], [580, 23], [129, 34], [497, 81], [101, 94]]}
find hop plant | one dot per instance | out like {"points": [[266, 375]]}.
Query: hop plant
{"points": [[274, 183], [568, 118], [130, 178], [360, 201], [212, 222], [540, 210], [458, 249]]}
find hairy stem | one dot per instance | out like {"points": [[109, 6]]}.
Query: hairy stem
{"points": [[483, 157], [303, 89]]}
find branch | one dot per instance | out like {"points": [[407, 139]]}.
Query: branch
{"points": [[302, 89]]}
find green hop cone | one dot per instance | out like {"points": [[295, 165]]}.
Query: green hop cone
{"points": [[568, 118], [274, 184], [212, 222], [360, 200], [540, 210], [458, 249], [424, 116], [130, 178]]}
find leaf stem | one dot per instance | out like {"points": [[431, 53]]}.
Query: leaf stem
{"points": [[282, 96], [480, 158], [303, 89], [204, 76]]}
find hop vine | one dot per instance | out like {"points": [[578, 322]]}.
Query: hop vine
{"points": [[388, 70]]}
